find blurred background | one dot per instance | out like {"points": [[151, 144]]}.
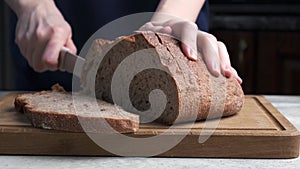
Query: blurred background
{"points": [[262, 37], [263, 40]]}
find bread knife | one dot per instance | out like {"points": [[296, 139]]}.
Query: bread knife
{"points": [[67, 62]]}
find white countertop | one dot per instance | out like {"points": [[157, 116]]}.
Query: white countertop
{"points": [[289, 106]]}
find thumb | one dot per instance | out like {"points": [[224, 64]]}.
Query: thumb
{"points": [[71, 46], [187, 33]]}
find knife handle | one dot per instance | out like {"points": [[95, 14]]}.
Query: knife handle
{"points": [[61, 58]]}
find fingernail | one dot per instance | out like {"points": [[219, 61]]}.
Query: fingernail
{"points": [[217, 69], [228, 72], [240, 80], [193, 54]]}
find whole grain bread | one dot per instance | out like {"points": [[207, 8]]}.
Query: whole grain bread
{"points": [[191, 92], [55, 110]]}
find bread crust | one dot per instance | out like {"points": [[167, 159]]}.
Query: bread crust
{"points": [[69, 122], [196, 90], [234, 96]]}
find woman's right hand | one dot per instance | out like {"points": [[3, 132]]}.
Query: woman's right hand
{"points": [[41, 32]]}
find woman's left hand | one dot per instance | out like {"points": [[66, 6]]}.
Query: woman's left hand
{"points": [[193, 40]]}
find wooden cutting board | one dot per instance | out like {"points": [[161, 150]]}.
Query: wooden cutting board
{"points": [[257, 131]]}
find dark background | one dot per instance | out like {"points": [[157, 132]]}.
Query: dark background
{"points": [[262, 37], [263, 40]]}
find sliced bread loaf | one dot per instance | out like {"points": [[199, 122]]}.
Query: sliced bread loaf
{"points": [[55, 110], [191, 92]]}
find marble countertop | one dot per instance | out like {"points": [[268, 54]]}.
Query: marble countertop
{"points": [[289, 106]]}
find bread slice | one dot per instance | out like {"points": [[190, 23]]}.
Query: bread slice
{"points": [[55, 110], [191, 91]]}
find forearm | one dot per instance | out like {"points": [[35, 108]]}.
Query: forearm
{"points": [[183, 9]]}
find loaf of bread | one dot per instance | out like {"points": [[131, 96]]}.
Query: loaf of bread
{"points": [[55, 110], [190, 91], [146, 74]]}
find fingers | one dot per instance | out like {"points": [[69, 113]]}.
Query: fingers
{"points": [[187, 34], [214, 52], [207, 44], [20, 39], [37, 44], [184, 31], [224, 59], [236, 76], [149, 26], [226, 68], [36, 62], [70, 45], [41, 45], [53, 46], [216, 56], [40, 34]]}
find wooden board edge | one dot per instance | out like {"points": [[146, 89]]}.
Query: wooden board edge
{"points": [[278, 116], [215, 147]]}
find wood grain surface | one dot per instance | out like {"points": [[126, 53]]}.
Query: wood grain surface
{"points": [[257, 131]]}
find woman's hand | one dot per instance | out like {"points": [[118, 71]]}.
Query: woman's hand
{"points": [[214, 52], [41, 32]]}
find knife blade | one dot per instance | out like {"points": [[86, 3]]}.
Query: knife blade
{"points": [[67, 62]]}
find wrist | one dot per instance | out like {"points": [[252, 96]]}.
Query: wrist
{"points": [[181, 9], [20, 6]]}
